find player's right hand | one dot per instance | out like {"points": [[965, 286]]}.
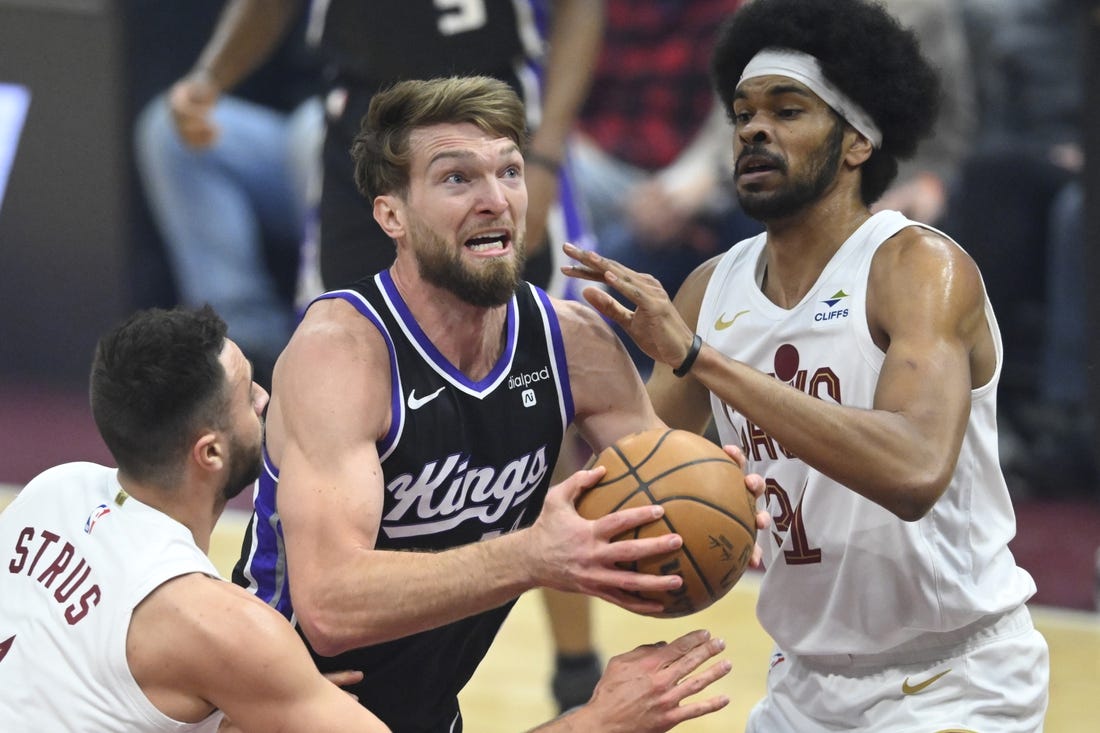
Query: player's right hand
{"points": [[571, 553]]}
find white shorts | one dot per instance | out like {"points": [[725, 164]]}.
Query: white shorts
{"points": [[993, 679]]}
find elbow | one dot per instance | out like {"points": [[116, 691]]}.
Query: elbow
{"points": [[324, 632], [913, 500]]}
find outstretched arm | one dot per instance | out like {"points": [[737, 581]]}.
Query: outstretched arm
{"points": [[197, 643], [902, 452]]}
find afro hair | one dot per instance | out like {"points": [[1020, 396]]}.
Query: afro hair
{"points": [[863, 51]]}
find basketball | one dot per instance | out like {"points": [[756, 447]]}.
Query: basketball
{"points": [[705, 500]]}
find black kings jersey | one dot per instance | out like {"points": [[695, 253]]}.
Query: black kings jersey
{"points": [[462, 461]]}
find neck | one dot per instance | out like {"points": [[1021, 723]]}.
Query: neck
{"points": [[181, 504], [800, 246], [470, 337]]}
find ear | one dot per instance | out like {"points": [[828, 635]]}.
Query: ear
{"points": [[859, 149], [208, 453], [389, 213]]}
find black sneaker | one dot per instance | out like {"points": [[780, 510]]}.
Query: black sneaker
{"points": [[575, 678]]}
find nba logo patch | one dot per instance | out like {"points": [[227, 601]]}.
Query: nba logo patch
{"points": [[100, 511], [529, 398]]}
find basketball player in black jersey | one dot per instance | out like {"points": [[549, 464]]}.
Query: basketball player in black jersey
{"points": [[544, 49], [416, 418]]}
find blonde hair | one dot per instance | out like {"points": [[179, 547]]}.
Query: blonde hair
{"points": [[381, 149]]}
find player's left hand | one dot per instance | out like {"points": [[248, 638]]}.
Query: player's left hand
{"points": [[754, 484]]}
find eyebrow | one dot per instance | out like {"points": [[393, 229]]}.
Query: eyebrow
{"points": [[468, 154], [779, 90]]}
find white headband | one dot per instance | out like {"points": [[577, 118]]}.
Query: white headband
{"points": [[804, 68]]}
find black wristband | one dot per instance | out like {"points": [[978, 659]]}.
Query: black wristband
{"points": [[543, 161], [689, 360]]}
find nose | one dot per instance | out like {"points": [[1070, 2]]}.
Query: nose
{"points": [[754, 131], [491, 196]]}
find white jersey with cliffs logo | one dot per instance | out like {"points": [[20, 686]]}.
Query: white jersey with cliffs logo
{"points": [[74, 562], [843, 575]]}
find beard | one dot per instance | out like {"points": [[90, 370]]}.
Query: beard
{"points": [[245, 464], [822, 169], [491, 284]]}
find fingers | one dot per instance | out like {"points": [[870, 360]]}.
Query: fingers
{"points": [[757, 560], [634, 285], [736, 454], [586, 270], [345, 677], [693, 650], [617, 522], [697, 709], [580, 481], [607, 306], [192, 104]]}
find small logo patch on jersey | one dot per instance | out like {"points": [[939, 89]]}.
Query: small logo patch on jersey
{"points": [[831, 309], [777, 658], [529, 399], [908, 689], [100, 511], [415, 403], [722, 325], [522, 381]]}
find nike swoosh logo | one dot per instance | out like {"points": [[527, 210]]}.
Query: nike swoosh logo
{"points": [[721, 325], [908, 689], [415, 403]]}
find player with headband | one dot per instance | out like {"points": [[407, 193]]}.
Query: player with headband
{"points": [[855, 359]]}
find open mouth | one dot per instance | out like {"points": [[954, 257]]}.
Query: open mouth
{"points": [[756, 164], [488, 242]]}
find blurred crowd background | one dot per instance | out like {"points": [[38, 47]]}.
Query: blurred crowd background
{"points": [[93, 222]]}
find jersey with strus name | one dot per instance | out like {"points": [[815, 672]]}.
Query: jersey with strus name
{"points": [[843, 574], [77, 556], [462, 461]]}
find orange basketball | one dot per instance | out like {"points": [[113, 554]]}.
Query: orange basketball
{"points": [[703, 493]]}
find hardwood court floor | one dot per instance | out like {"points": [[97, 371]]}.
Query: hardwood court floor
{"points": [[510, 691]]}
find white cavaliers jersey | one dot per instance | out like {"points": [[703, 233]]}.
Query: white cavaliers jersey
{"points": [[844, 575], [74, 562]]}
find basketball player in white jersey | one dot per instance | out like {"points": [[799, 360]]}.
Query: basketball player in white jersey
{"points": [[855, 359], [112, 618]]}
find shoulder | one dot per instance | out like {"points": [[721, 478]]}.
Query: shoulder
{"points": [[332, 337], [689, 298], [333, 323], [189, 626], [922, 270], [197, 643], [333, 377], [582, 327], [917, 251]]}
